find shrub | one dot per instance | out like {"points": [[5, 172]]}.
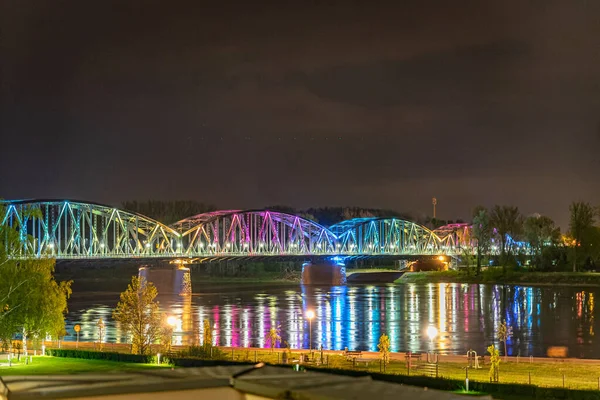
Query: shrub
{"points": [[204, 352], [97, 355]]}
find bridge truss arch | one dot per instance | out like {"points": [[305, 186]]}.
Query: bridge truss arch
{"points": [[65, 229], [455, 236], [253, 232], [390, 236]]}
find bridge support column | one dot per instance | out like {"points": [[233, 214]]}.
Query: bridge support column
{"points": [[323, 273], [169, 279]]}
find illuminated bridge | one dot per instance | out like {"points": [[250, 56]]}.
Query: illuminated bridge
{"points": [[65, 229]]}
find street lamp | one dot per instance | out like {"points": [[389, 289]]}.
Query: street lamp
{"points": [[310, 314], [171, 321], [432, 332]]}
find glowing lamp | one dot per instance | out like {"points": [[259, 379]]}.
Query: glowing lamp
{"points": [[432, 332], [171, 320], [442, 258], [310, 314]]}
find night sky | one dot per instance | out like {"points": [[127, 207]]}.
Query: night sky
{"points": [[246, 104]]}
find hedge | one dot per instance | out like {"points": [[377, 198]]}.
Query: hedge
{"points": [[100, 355]]}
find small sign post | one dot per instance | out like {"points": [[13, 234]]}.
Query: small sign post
{"points": [[77, 329]]}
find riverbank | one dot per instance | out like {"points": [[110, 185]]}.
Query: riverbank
{"points": [[495, 276]]}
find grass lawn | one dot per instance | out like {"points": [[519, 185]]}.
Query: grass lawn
{"points": [[56, 365], [550, 374], [576, 376]]}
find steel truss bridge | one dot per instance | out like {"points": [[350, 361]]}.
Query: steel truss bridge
{"points": [[64, 229]]}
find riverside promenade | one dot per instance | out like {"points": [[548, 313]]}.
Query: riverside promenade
{"points": [[570, 373]]}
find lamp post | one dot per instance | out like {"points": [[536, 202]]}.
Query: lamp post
{"points": [[171, 321], [310, 314], [432, 332]]}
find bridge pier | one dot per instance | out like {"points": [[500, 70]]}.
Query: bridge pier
{"points": [[324, 273], [169, 279]]}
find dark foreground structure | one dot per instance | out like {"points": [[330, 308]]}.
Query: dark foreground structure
{"points": [[220, 382]]}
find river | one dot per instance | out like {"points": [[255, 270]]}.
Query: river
{"points": [[354, 317]]}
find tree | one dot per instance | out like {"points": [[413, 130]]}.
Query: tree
{"points": [[540, 232], [504, 333], [274, 336], [494, 363], [207, 341], [580, 225], [35, 304], [31, 300], [100, 326], [467, 256], [384, 348], [138, 314], [508, 222], [166, 335], [482, 233]]}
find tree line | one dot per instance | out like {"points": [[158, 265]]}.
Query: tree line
{"points": [[502, 235], [168, 212]]}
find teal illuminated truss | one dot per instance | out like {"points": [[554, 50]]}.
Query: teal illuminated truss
{"points": [[70, 229], [385, 236], [65, 229]]}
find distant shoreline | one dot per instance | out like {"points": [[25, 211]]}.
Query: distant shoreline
{"points": [[591, 279], [117, 278]]}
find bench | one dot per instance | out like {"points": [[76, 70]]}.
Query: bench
{"points": [[352, 354]]}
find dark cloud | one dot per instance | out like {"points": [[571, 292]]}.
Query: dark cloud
{"points": [[244, 104], [425, 80]]}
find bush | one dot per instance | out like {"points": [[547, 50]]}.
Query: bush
{"points": [[98, 355], [204, 352]]}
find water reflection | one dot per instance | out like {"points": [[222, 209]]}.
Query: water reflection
{"points": [[354, 317]]}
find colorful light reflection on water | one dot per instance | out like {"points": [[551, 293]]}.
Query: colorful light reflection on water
{"points": [[354, 317]]}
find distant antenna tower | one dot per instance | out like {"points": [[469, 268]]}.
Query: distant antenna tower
{"points": [[434, 202]]}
